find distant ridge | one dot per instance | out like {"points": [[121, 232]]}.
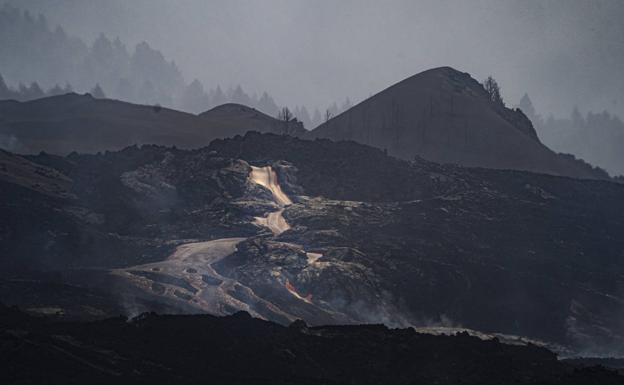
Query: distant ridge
{"points": [[231, 117], [446, 116], [72, 122]]}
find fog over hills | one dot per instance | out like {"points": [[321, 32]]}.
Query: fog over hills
{"points": [[441, 115], [596, 137], [160, 223], [147, 63], [562, 52], [47, 61]]}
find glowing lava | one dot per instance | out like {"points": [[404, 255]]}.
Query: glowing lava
{"points": [[266, 177], [289, 286]]}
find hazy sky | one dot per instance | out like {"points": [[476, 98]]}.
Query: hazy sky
{"points": [[562, 52]]}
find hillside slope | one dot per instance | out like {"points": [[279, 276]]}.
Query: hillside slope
{"points": [[369, 238], [445, 116], [230, 119], [81, 123]]}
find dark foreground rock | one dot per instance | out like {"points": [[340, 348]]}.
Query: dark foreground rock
{"points": [[241, 350]]}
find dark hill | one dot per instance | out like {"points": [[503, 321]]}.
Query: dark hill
{"points": [[235, 118], [81, 123], [238, 349], [446, 116]]}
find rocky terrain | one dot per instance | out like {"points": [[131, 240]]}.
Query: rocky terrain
{"points": [[368, 239], [241, 350], [446, 116]]}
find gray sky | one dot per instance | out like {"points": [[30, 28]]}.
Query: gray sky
{"points": [[562, 52]]}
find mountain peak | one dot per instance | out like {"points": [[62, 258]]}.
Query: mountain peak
{"points": [[229, 108], [444, 75], [444, 71], [446, 116], [255, 120]]}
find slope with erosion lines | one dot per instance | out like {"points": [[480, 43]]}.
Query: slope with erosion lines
{"points": [[187, 275], [497, 251], [188, 278]]}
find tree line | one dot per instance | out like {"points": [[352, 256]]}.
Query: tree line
{"points": [[596, 137], [43, 61]]}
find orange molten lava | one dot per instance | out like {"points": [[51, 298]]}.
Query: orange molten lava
{"points": [[289, 286]]}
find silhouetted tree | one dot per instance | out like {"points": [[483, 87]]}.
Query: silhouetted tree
{"points": [[285, 115], [493, 90], [328, 115]]}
